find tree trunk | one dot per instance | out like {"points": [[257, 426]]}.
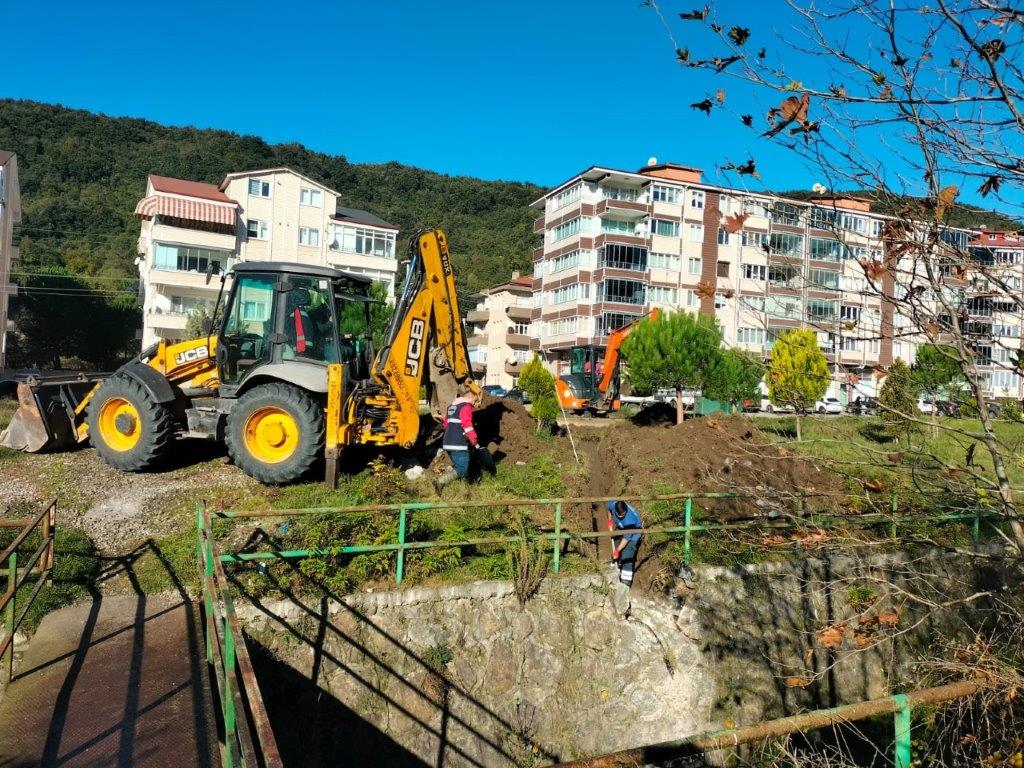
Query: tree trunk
{"points": [[799, 437], [679, 405]]}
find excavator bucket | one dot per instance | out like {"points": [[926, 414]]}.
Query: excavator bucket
{"points": [[47, 417]]}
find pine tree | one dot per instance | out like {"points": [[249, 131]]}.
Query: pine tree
{"points": [[797, 372], [898, 401], [539, 385], [735, 378]]}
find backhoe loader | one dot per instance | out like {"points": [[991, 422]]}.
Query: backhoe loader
{"points": [[288, 378]]}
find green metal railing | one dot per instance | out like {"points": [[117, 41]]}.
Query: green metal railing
{"points": [[558, 537], [247, 739], [40, 563]]}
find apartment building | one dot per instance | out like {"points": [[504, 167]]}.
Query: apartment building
{"points": [[500, 331], [10, 214], [617, 244], [290, 217], [268, 215]]}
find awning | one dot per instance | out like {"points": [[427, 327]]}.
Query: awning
{"points": [[190, 210]]}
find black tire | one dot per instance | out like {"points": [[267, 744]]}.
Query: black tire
{"points": [[307, 414], [155, 425], [821, 410], [769, 408]]}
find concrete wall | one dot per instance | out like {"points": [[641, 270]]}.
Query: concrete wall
{"points": [[587, 667]]}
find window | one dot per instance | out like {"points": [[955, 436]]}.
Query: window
{"points": [[667, 261], [753, 303], [568, 229], [661, 295], [1003, 379], [522, 328], [621, 291], [309, 236], [183, 305], [691, 298], [820, 310], [565, 261], [610, 321], [853, 284], [1000, 329], [664, 227], [569, 293], [623, 257], [785, 213], [538, 269], [661, 194], [618, 193], [1007, 257], [823, 218], [787, 244], [753, 238], [696, 199], [258, 188], [755, 272], [784, 276], [823, 278], [849, 344], [846, 312], [747, 335], [723, 237], [189, 259], [256, 229], [563, 326], [853, 223], [696, 233], [826, 250], [720, 301], [783, 306], [753, 207], [876, 227], [308, 196], [566, 196], [370, 242], [874, 345], [693, 265], [614, 226], [722, 269]]}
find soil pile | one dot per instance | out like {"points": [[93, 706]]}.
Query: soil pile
{"points": [[712, 455]]}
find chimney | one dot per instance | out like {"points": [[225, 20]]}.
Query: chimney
{"points": [[515, 274]]}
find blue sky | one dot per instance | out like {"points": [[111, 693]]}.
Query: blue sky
{"points": [[529, 91]]}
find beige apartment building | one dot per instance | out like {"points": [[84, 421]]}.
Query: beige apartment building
{"points": [[268, 215], [499, 331], [10, 214], [617, 244]]}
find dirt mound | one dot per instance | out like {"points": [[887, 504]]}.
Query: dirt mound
{"points": [[716, 454]]}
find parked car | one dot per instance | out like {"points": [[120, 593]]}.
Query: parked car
{"points": [[518, 395], [828, 405], [751, 406], [769, 407], [862, 406], [495, 390], [926, 406]]}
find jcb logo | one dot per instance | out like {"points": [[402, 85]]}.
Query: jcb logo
{"points": [[191, 355], [415, 352]]}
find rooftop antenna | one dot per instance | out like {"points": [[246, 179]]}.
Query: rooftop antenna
{"points": [[651, 162], [819, 188]]}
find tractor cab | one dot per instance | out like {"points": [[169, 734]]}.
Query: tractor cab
{"points": [[289, 322], [578, 389]]}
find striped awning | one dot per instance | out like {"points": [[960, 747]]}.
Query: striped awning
{"points": [[189, 210]]}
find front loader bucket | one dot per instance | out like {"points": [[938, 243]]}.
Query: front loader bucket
{"points": [[47, 417]]}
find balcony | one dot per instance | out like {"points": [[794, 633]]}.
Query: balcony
{"points": [[516, 312], [170, 320], [627, 209], [513, 368], [520, 340], [478, 316], [183, 279], [476, 341], [538, 224]]}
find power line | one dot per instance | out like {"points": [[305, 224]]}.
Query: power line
{"points": [[82, 275]]}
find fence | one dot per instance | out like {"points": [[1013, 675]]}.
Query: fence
{"points": [[247, 738], [41, 560], [558, 537]]}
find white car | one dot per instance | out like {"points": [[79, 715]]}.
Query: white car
{"points": [[926, 406], [769, 407], [828, 405]]}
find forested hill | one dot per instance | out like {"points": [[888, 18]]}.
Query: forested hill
{"points": [[82, 174]]}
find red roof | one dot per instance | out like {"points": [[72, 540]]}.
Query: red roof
{"points": [[5, 155], [188, 188], [527, 281], [997, 239]]}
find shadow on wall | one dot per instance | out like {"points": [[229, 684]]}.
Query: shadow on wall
{"points": [[377, 673]]}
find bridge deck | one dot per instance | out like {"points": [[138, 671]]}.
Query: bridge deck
{"points": [[120, 681]]}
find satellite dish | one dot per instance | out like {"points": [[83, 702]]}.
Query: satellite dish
{"points": [[651, 162], [819, 188]]}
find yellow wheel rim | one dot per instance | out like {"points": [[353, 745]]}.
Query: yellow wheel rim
{"points": [[271, 435], [120, 426]]}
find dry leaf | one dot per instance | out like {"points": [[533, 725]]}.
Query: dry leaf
{"points": [[696, 15], [797, 682], [944, 200], [705, 290], [863, 640], [748, 120], [739, 35], [888, 619], [991, 184], [832, 637], [762, 53], [790, 110], [896, 457], [808, 654], [873, 485], [734, 223], [683, 55], [704, 106], [993, 49], [720, 96]]}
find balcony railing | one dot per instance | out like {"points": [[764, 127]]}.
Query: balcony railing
{"points": [[478, 316], [517, 340]]}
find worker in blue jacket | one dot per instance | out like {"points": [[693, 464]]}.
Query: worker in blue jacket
{"points": [[621, 516]]}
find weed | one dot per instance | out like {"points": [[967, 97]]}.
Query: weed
{"points": [[527, 560], [437, 657], [861, 597]]}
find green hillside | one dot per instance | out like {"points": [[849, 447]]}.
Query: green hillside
{"points": [[82, 174]]}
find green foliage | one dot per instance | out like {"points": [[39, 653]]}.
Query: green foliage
{"points": [[797, 371], [64, 321], [197, 323], [538, 383], [735, 377], [437, 657], [672, 350], [82, 174], [898, 400], [1010, 410], [935, 368]]}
